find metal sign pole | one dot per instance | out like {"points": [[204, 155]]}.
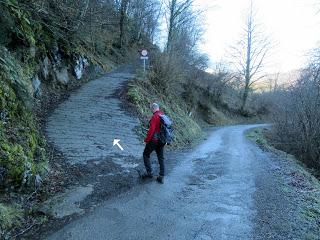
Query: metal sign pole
{"points": [[144, 57]]}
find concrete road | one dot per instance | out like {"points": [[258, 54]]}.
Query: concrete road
{"points": [[209, 194], [84, 126]]}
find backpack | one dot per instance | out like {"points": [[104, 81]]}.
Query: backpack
{"points": [[166, 130]]}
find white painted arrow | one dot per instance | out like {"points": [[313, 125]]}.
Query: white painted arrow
{"points": [[116, 142]]}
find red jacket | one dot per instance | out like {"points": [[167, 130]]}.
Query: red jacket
{"points": [[154, 127]]}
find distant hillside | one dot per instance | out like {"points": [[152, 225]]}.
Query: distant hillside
{"points": [[278, 80], [288, 78]]}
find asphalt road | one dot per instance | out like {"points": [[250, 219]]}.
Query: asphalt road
{"points": [[209, 194]]}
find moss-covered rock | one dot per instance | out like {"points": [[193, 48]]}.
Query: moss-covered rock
{"points": [[16, 24], [22, 153]]}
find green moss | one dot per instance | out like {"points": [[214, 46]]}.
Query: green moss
{"points": [[23, 27], [21, 145], [22, 153], [33, 144], [9, 216], [14, 159], [134, 95]]}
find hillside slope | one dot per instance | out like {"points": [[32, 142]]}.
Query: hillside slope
{"points": [[43, 55]]}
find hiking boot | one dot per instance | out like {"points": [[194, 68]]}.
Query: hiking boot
{"points": [[146, 175], [160, 179]]}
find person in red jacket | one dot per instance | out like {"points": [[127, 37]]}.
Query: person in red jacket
{"points": [[153, 144]]}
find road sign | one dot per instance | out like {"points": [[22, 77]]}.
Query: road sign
{"points": [[144, 52], [144, 57]]}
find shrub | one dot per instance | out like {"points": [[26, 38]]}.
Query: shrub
{"points": [[142, 93], [297, 119], [8, 216]]}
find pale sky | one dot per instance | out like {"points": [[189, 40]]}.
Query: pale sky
{"points": [[293, 26]]}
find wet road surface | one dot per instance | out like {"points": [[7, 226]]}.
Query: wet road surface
{"points": [[207, 195]]}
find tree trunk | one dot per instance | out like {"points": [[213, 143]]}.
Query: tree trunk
{"points": [[244, 100], [171, 24], [248, 64], [123, 9]]}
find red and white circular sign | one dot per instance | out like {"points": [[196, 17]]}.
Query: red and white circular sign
{"points": [[144, 52]]}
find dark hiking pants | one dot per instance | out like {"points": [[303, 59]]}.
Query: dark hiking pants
{"points": [[150, 147]]}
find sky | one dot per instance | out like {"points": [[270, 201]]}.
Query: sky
{"points": [[292, 25]]}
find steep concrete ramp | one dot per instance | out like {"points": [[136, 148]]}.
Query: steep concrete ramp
{"points": [[84, 126]]}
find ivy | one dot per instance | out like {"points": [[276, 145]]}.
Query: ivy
{"points": [[23, 26]]}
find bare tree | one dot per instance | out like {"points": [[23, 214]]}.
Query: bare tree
{"points": [[249, 55], [178, 15], [296, 117], [181, 58], [123, 10], [273, 82], [144, 16]]}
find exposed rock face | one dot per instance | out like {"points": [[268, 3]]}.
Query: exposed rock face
{"points": [[56, 54], [99, 70], [81, 64], [33, 51], [62, 75], [45, 68], [56, 70], [66, 204], [36, 84]]}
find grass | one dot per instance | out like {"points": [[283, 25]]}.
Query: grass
{"points": [[256, 135], [297, 178], [141, 94], [10, 216]]}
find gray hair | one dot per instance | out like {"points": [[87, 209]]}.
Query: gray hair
{"points": [[154, 106]]}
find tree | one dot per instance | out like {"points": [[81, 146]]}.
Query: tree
{"points": [[179, 15], [123, 10], [296, 115], [249, 55], [137, 19], [144, 17], [181, 57]]}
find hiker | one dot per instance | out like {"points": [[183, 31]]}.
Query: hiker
{"points": [[153, 142]]}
